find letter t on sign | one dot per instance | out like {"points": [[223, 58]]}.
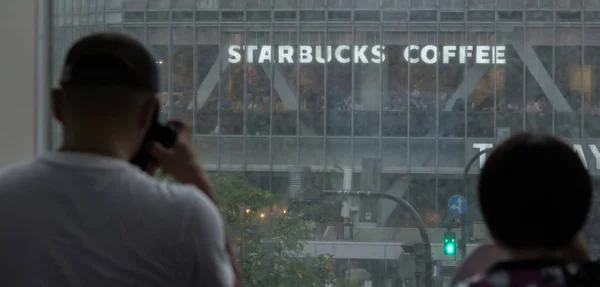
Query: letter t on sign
{"points": [[480, 147]]}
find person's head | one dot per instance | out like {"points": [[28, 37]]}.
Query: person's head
{"points": [[107, 97], [535, 194]]}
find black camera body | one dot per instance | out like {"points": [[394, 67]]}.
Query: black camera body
{"points": [[163, 134]]}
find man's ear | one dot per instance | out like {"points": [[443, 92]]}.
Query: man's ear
{"points": [[57, 102], [149, 107]]}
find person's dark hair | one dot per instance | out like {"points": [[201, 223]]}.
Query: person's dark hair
{"points": [[108, 74], [534, 191]]}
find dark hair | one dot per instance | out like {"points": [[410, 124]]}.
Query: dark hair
{"points": [[534, 191]]}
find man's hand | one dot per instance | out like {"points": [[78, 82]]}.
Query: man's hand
{"points": [[180, 160]]}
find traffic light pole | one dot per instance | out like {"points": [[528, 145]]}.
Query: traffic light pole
{"points": [[414, 214], [463, 222]]}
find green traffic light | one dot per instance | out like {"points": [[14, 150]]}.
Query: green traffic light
{"points": [[450, 249], [449, 243]]}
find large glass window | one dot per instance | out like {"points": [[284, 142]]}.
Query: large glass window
{"points": [[294, 98]]}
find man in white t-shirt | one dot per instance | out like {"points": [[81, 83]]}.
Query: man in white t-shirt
{"points": [[86, 216]]}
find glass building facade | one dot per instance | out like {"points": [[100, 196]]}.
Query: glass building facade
{"points": [[271, 86]]}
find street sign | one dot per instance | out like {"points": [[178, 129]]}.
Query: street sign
{"points": [[457, 204]]}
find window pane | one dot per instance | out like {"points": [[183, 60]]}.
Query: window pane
{"points": [[394, 121], [422, 196], [480, 104], [422, 95], [205, 95], [232, 95], [182, 73], [180, 4], [589, 74], [311, 82], [341, 100], [568, 78], [367, 83], [158, 4], [258, 86], [312, 151], [132, 4], [510, 97], [158, 41], [207, 4], [285, 76], [538, 109], [207, 148], [451, 83]]}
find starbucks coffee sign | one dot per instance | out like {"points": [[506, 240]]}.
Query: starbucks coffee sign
{"points": [[364, 54]]}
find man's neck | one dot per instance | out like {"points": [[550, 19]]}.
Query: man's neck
{"points": [[97, 147]]}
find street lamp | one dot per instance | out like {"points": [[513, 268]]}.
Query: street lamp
{"points": [[414, 214]]}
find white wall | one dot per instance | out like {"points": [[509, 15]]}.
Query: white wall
{"points": [[17, 80]]}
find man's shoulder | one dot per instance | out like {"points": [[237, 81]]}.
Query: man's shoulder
{"points": [[196, 211], [188, 199], [18, 167], [186, 194], [18, 171]]}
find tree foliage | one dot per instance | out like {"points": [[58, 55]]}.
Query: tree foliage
{"points": [[268, 233]]}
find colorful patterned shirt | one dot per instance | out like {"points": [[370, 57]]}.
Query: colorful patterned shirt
{"points": [[534, 273]]}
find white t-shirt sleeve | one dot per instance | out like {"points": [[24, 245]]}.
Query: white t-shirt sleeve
{"points": [[203, 235]]}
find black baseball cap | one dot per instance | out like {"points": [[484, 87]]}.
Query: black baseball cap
{"points": [[110, 59]]}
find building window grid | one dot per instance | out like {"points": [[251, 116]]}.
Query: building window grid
{"points": [[68, 34], [353, 23]]}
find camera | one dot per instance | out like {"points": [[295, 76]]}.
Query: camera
{"points": [[163, 134]]}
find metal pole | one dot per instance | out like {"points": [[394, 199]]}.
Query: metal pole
{"points": [[463, 222], [44, 57], [413, 213]]}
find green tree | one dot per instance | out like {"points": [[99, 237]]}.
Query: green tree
{"points": [[268, 233]]}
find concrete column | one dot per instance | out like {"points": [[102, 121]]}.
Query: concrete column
{"points": [[370, 180], [533, 64], [210, 82], [347, 184], [474, 75], [543, 78], [398, 188], [18, 80]]}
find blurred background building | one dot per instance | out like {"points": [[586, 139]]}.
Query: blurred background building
{"points": [[296, 94]]}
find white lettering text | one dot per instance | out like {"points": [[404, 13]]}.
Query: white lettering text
{"points": [[234, 54], [286, 54], [364, 54]]}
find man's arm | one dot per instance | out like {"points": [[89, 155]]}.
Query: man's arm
{"points": [[228, 245], [182, 163], [204, 241]]}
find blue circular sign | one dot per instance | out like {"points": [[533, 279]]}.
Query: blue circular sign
{"points": [[457, 204]]}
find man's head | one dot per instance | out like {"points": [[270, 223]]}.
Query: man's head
{"points": [[534, 192], [108, 92]]}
